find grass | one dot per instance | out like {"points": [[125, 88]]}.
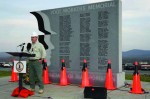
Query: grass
{"points": [[5, 73], [145, 78]]}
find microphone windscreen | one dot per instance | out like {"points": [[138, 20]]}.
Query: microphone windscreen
{"points": [[28, 46]]}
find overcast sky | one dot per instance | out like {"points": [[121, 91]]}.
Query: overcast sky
{"points": [[16, 22]]}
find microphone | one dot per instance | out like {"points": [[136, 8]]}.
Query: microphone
{"points": [[22, 49], [28, 46], [21, 44]]}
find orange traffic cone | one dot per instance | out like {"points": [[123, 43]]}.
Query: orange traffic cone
{"points": [[63, 75], [136, 84], [109, 84], [45, 73], [14, 76], [85, 78]]}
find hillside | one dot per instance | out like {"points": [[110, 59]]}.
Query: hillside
{"points": [[136, 53], [128, 56]]}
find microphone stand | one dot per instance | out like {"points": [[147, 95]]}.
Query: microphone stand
{"points": [[20, 74]]}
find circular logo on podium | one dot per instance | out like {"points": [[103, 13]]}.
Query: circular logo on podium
{"points": [[19, 66]]}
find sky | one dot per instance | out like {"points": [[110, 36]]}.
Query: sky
{"points": [[17, 24]]}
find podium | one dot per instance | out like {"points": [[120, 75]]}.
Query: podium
{"points": [[20, 55]]}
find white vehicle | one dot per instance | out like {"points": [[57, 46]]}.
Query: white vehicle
{"points": [[7, 65], [145, 66]]}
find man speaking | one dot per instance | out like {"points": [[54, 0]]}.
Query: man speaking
{"points": [[35, 63]]}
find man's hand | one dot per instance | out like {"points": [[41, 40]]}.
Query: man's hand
{"points": [[40, 60]]}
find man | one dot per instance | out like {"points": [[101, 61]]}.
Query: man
{"points": [[35, 63]]}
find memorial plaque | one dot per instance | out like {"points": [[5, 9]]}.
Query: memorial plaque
{"points": [[91, 32]]}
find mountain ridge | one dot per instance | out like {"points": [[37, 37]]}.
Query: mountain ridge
{"points": [[136, 53], [130, 53]]}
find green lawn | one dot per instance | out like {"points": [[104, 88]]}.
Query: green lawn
{"points": [[145, 78], [5, 73]]}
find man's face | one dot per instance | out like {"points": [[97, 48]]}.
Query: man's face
{"points": [[34, 39]]}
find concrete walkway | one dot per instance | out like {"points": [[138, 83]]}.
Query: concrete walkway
{"points": [[54, 91]]}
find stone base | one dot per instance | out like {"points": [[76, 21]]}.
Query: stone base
{"points": [[119, 79], [96, 78]]}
